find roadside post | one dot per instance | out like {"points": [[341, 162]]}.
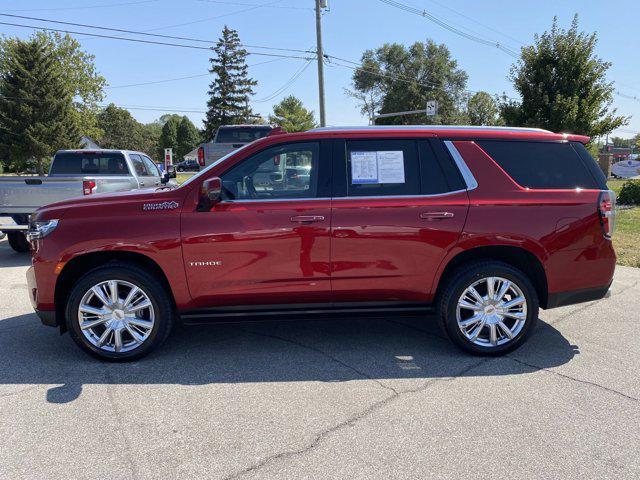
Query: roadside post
{"points": [[168, 158]]}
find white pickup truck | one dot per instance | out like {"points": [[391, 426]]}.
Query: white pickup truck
{"points": [[229, 138], [73, 173]]}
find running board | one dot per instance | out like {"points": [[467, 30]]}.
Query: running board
{"points": [[273, 313]]}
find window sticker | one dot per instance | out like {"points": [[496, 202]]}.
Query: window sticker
{"points": [[364, 167], [377, 167], [391, 167]]}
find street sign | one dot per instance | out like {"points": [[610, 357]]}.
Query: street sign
{"points": [[432, 108], [168, 157]]}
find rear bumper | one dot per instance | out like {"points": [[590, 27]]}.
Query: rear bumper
{"points": [[47, 317], [560, 299]]}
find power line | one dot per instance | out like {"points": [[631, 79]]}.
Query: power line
{"points": [[254, 5], [84, 7], [488, 27], [287, 84], [447, 26], [136, 32], [130, 106], [201, 20], [137, 40], [183, 78]]}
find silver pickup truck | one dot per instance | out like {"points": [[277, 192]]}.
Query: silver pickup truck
{"points": [[73, 173], [229, 138]]}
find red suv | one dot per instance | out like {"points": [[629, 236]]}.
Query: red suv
{"points": [[482, 225]]}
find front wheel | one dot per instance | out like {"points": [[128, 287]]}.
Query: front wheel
{"points": [[119, 312], [488, 308], [18, 242]]}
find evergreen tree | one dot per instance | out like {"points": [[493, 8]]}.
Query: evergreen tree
{"points": [[187, 138], [169, 135], [37, 116], [563, 85], [291, 115], [231, 87]]}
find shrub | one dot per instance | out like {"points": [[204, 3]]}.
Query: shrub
{"points": [[630, 193]]}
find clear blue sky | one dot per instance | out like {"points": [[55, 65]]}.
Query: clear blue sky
{"points": [[350, 27]]}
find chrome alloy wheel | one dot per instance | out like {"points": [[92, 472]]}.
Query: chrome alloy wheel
{"points": [[491, 311], [116, 316]]}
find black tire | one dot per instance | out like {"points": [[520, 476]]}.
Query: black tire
{"points": [[180, 169], [162, 304], [18, 242], [469, 274]]}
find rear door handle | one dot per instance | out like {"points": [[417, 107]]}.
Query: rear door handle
{"points": [[307, 218], [436, 215]]}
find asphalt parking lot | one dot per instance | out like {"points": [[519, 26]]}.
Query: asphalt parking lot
{"points": [[379, 398]]}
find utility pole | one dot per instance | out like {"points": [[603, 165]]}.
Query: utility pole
{"points": [[320, 54]]}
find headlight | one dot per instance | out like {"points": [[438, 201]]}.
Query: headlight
{"points": [[41, 229]]}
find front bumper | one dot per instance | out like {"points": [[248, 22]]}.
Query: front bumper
{"points": [[47, 317]]}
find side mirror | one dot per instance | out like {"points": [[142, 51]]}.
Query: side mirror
{"points": [[210, 194], [165, 178]]}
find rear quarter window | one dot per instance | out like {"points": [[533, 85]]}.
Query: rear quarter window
{"points": [[543, 165]]}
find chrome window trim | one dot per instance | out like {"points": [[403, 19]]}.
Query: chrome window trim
{"points": [[467, 176], [363, 197]]}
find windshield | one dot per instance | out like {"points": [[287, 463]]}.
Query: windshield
{"points": [[241, 134], [217, 162]]}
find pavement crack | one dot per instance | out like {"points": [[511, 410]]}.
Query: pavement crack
{"points": [[372, 408], [325, 354], [128, 451], [578, 380]]}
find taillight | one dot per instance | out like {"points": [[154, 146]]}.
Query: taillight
{"points": [[607, 212], [88, 186], [201, 156]]}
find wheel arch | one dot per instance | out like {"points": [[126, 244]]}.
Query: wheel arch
{"points": [[82, 264], [518, 257]]}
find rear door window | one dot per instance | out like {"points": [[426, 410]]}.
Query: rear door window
{"points": [[89, 163], [382, 168], [544, 165]]}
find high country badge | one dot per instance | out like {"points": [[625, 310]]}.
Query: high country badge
{"points": [[160, 206]]}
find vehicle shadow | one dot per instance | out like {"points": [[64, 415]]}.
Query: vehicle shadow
{"points": [[9, 258], [384, 349]]}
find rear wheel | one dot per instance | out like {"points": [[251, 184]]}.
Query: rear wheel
{"points": [[488, 308], [18, 242], [119, 312]]}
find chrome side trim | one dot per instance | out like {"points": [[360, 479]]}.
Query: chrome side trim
{"points": [[468, 177], [355, 197]]}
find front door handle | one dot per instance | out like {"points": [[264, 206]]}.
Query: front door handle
{"points": [[436, 215], [307, 218]]}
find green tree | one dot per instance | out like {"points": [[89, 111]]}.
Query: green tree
{"points": [[150, 140], [187, 137], [81, 76], [291, 115], [396, 78], [37, 115], [169, 135], [231, 87], [563, 85], [120, 129], [482, 109]]}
